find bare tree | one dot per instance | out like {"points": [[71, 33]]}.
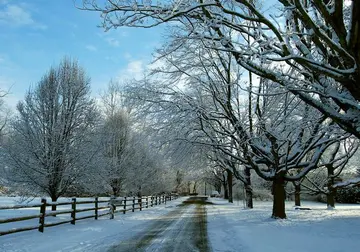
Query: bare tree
{"points": [[126, 162], [116, 151], [326, 185], [282, 139], [47, 145], [314, 52]]}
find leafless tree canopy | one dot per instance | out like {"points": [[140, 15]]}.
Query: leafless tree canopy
{"points": [[47, 145], [311, 47]]}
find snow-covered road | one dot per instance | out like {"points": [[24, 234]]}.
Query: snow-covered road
{"points": [[182, 230]]}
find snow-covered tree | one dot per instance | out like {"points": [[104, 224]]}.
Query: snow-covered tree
{"points": [[126, 162], [115, 152], [47, 147], [313, 50], [324, 181], [281, 138]]}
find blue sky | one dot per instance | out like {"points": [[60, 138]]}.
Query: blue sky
{"points": [[37, 34]]}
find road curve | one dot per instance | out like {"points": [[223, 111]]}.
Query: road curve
{"points": [[181, 230]]}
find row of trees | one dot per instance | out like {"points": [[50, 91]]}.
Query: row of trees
{"points": [[276, 96], [61, 142]]}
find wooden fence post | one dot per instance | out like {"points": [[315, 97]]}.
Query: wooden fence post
{"points": [[152, 201], [96, 207], [133, 204], [124, 205], [140, 203], [147, 201], [73, 213], [42, 215]]}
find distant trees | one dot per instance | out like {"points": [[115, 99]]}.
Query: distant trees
{"points": [[63, 143], [125, 163], [47, 147], [116, 153]]}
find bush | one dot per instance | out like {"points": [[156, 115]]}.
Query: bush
{"points": [[348, 195]]}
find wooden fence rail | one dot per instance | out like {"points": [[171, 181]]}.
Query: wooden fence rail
{"points": [[100, 208]]}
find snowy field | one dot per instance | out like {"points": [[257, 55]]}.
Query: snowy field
{"points": [[230, 228]]}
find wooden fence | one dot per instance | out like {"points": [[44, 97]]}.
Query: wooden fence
{"points": [[99, 208]]}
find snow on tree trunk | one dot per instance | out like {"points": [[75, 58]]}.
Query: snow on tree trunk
{"points": [[279, 194]]}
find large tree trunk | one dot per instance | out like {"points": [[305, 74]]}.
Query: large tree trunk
{"points": [[230, 185], [330, 196], [248, 189], [226, 188], [279, 193], [297, 185]]}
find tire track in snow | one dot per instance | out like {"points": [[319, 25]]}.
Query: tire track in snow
{"points": [[183, 230]]}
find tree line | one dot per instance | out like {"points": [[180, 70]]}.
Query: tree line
{"points": [[270, 90], [241, 90], [62, 142]]}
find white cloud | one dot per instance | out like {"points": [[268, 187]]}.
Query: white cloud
{"points": [[91, 48], [15, 15], [135, 69]]}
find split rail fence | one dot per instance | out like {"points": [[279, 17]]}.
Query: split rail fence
{"points": [[97, 207]]}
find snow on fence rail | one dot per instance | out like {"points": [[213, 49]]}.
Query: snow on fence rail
{"points": [[99, 208]]}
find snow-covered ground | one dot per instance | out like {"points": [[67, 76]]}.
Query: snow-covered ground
{"points": [[230, 228], [233, 228], [86, 235]]}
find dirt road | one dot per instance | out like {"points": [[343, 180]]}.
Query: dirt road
{"points": [[182, 230]]}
